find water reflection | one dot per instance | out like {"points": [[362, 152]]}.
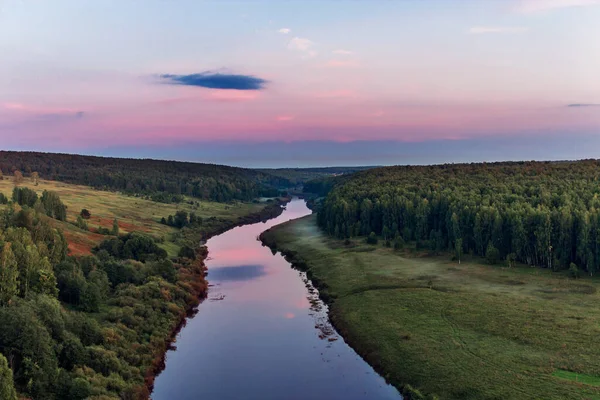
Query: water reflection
{"points": [[237, 273], [259, 340]]}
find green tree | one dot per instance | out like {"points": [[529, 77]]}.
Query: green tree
{"points": [[492, 254], [458, 249], [511, 258], [81, 224], [372, 238], [9, 274], [7, 388], [115, 228]]}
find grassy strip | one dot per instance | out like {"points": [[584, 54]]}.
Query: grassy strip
{"points": [[458, 331]]}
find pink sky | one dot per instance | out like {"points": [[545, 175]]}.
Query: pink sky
{"points": [[395, 71]]}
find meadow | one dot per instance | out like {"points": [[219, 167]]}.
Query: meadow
{"points": [[132, 213], [456, 331]]}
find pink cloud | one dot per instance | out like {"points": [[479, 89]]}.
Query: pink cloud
{"points": [[233, 95], [289, 315]]}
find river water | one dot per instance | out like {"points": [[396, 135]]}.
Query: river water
{"points": [[262, 333]]}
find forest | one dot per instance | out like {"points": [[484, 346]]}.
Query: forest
{"points": [[87, 327], [164, 181], [544, 214]]}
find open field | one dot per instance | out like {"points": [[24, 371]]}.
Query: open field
{"points": [[132, 213], [459, 331]]}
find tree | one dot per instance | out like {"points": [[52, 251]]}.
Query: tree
{"points": [[372, 238], [35, 178], [458, 249], [17, 177], [9, 274], [115, 228], [85, 213], [81, 224], [511, 259], [54, 206], [181, 219], [573, 271], [492, 254], [398, 243], [7, 388]]}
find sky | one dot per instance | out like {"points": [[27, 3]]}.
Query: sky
{"points": [[302, 83]]}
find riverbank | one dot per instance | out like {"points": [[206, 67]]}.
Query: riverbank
{"points": [[200, 289], [458, 331]]}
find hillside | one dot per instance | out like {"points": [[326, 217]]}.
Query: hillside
{"points": [[162, 180]]}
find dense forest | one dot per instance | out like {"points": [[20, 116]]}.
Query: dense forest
{"points": [[301, 175], [163, 181], [88, 327], [540, 213]]}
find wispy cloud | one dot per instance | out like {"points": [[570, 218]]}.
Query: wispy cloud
{"points": [[584, 105], [481, 30], [343, 52], [533, 6], [303, 45], [213, 80], [285, 31]]}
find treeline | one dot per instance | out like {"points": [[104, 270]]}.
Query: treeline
{"points": [[301, 175], [89, 327], [164, 181], [540, 213]]}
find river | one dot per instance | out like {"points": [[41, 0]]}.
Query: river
{"points": [[263, 333]]}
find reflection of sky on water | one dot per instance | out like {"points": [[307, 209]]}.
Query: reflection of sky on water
{"points": [[237, 273]]}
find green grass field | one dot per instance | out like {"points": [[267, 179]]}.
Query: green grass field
{"points": [[459, 331], [132, 213]]}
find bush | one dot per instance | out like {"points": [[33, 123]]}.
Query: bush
{"points": [[398, 243], [573, 271], [187, 252], [81, 224], [372, 238], [492, 254], [85, 213]]}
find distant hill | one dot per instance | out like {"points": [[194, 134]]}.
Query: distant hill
{"points": [[162, 180], [301, 175]]}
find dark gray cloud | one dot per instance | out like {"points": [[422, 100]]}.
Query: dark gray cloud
{"points": [[216, 80], [584, 105]]}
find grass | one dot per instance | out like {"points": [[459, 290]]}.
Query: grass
{"points": [[132, 213], [459, 331]]}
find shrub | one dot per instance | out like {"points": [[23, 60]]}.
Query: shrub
{"points": [[372, 238], [85, 213], [492, 254], [573, 271], [398, 243]]}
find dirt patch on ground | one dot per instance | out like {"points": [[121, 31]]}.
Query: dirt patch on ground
{"points": [[81, 243]]}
